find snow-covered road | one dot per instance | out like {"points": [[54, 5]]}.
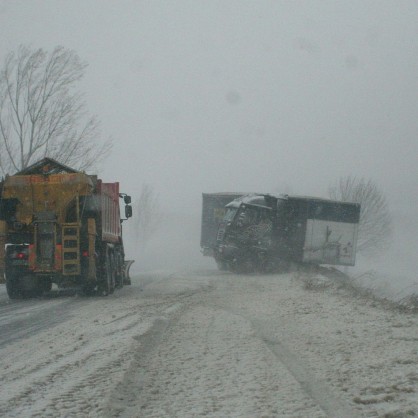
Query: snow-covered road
{"points": [[208, 344]]}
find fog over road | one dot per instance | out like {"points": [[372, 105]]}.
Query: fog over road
{"points": [[210, 344]]}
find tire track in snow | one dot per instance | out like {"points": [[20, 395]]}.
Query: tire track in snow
{"points": [[314, 387], [317, 389], [206, 361], [24, 322]]}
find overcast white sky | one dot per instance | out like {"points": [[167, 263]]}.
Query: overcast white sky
{"points": [[236, 95]]}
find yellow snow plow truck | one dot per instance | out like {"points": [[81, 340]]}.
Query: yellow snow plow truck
{"points": [[59, 225]]}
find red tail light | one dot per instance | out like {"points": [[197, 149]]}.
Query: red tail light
{"points": [[20, 254]]}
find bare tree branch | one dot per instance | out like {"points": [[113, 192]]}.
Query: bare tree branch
{"points": [[41, 114], [375, 227]]}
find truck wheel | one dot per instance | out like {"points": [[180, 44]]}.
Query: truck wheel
{"points": [[45, 286], [13, 288], [222, 265], [89, 289], [111, 274], [17, 286], [118, 271], [119, 281], [107, 286], [243, 266]]}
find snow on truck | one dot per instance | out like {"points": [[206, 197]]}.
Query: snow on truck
{"points": [[62, 226], [213, 211], [262, 232]]}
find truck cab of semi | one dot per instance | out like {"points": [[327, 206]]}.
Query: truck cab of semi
{"points": [[245, 235]]}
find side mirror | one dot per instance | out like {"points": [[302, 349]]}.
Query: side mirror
{"points": [[128, 211], [127, 199]]}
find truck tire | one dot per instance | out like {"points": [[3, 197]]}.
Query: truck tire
{"points": [[89, 289], [118, 271], [111, 273], [45, 286], [243, 266], [222, 265], [13, 288], [17, 288], [107, 284]]}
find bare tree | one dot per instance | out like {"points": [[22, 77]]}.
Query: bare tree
{"points": [[375, 227], [40, 113], [148, 214]]}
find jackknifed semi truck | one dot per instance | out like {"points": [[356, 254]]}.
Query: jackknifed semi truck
{"points": [[266, 233]]}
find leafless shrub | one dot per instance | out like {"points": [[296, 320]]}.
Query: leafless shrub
{"points": [[316, 282], [409, 303], [40, 113], [375, 228], [148, 214], [335, 280]]}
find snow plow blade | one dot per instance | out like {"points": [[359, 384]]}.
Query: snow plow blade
{"points": [[126, 266]]}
